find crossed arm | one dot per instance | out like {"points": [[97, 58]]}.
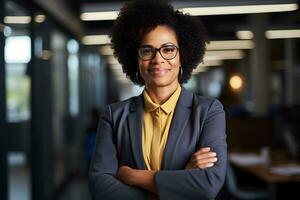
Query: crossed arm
{"points": [[203, 158], [202, 177]]}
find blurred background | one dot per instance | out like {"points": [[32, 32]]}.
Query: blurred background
{"points": [[57, 72]]}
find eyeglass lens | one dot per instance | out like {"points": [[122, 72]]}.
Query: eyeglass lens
{"points": [[167, 52]]}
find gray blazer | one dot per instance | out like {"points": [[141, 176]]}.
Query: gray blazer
{"points": [[197, 122]]}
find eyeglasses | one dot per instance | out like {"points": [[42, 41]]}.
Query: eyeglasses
{"points": [[168, 52]]}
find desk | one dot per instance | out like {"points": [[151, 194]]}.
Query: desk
{"points": [[263, 171]]}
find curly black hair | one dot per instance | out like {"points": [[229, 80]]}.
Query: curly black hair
{"points": [[138, 18]]}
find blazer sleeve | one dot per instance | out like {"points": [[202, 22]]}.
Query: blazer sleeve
{"points": [[103, 183], [199, 183]]}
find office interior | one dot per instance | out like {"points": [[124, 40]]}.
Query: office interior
{"points": [[57, 73]]}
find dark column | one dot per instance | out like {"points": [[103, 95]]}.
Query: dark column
{"points": [[289, 49], [260, 66], [41, 120], [3, 134]]}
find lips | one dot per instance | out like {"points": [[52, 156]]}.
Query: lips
{"points": [[158, 71]]}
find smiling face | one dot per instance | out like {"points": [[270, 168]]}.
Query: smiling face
{"points": [[159, 72]]}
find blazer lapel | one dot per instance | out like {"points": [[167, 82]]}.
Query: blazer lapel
{"points": [[180, 118], [135, 131]]}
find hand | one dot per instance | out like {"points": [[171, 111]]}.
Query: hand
{"points": [[203, 158], [125, 174]]}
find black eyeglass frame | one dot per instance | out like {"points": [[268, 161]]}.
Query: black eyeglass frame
{"points": [[158, 50]]}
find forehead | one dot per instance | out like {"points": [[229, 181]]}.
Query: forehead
{"points": [[159, 35]]}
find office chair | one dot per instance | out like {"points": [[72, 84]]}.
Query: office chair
{"points": [[291, 144], [238, 193]]}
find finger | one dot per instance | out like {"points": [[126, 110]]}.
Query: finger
{"points": [[204, 155], [206, 160], [203, 166], [209, 162], [202, 150], [203, 162]]}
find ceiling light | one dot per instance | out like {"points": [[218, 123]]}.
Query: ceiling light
{"points": [[271, 34], [241, 9], [200, 10], [111, 60], [97, 16], [123, 80], [17, 19], [203, 67], [207, 63], [106, 50], [244, 35], [200, 70], [230, 44], [96, 39], [116, 67], [39, 18], [224, 55], [281, 34], [236, 82], [119, 73]]}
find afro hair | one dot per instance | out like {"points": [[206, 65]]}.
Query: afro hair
{"points": [[138, 18]]}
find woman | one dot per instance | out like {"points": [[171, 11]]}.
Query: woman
{"points": [[165, 143]]}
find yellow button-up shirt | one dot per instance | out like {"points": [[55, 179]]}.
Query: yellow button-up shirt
{"points": [[156, 124]]}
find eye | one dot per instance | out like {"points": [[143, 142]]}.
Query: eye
{"points": [[146, 50], [168, 49]]}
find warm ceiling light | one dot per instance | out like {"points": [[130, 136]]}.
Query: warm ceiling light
{"points": [[224, 55], [230, 44], [17, 19], [244, 35], [46, 54], [39, 18], [96, 39], [236, 82], [97, 16], [241, 9], [277, 34]]}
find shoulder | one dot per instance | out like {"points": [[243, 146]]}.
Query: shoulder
{"points": [[206, 102], [125, 105], [197, 101], [209, 108], [121, 104]]}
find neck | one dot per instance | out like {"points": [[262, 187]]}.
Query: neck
{"points": [[160, 95]]}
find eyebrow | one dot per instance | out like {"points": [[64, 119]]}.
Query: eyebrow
{"points": [[165, 44]]}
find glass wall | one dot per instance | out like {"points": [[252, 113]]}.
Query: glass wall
{"points": [[17, 56], [51, 84]]}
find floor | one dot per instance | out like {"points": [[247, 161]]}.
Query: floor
{"points": [[73, 187]]}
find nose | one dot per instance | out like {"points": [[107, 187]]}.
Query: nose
{"points": [[157, 58]]}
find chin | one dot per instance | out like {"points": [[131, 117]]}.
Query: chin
{"points": [[161, 83]]}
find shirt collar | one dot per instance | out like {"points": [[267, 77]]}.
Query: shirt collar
{"points": [[167, 107]]}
